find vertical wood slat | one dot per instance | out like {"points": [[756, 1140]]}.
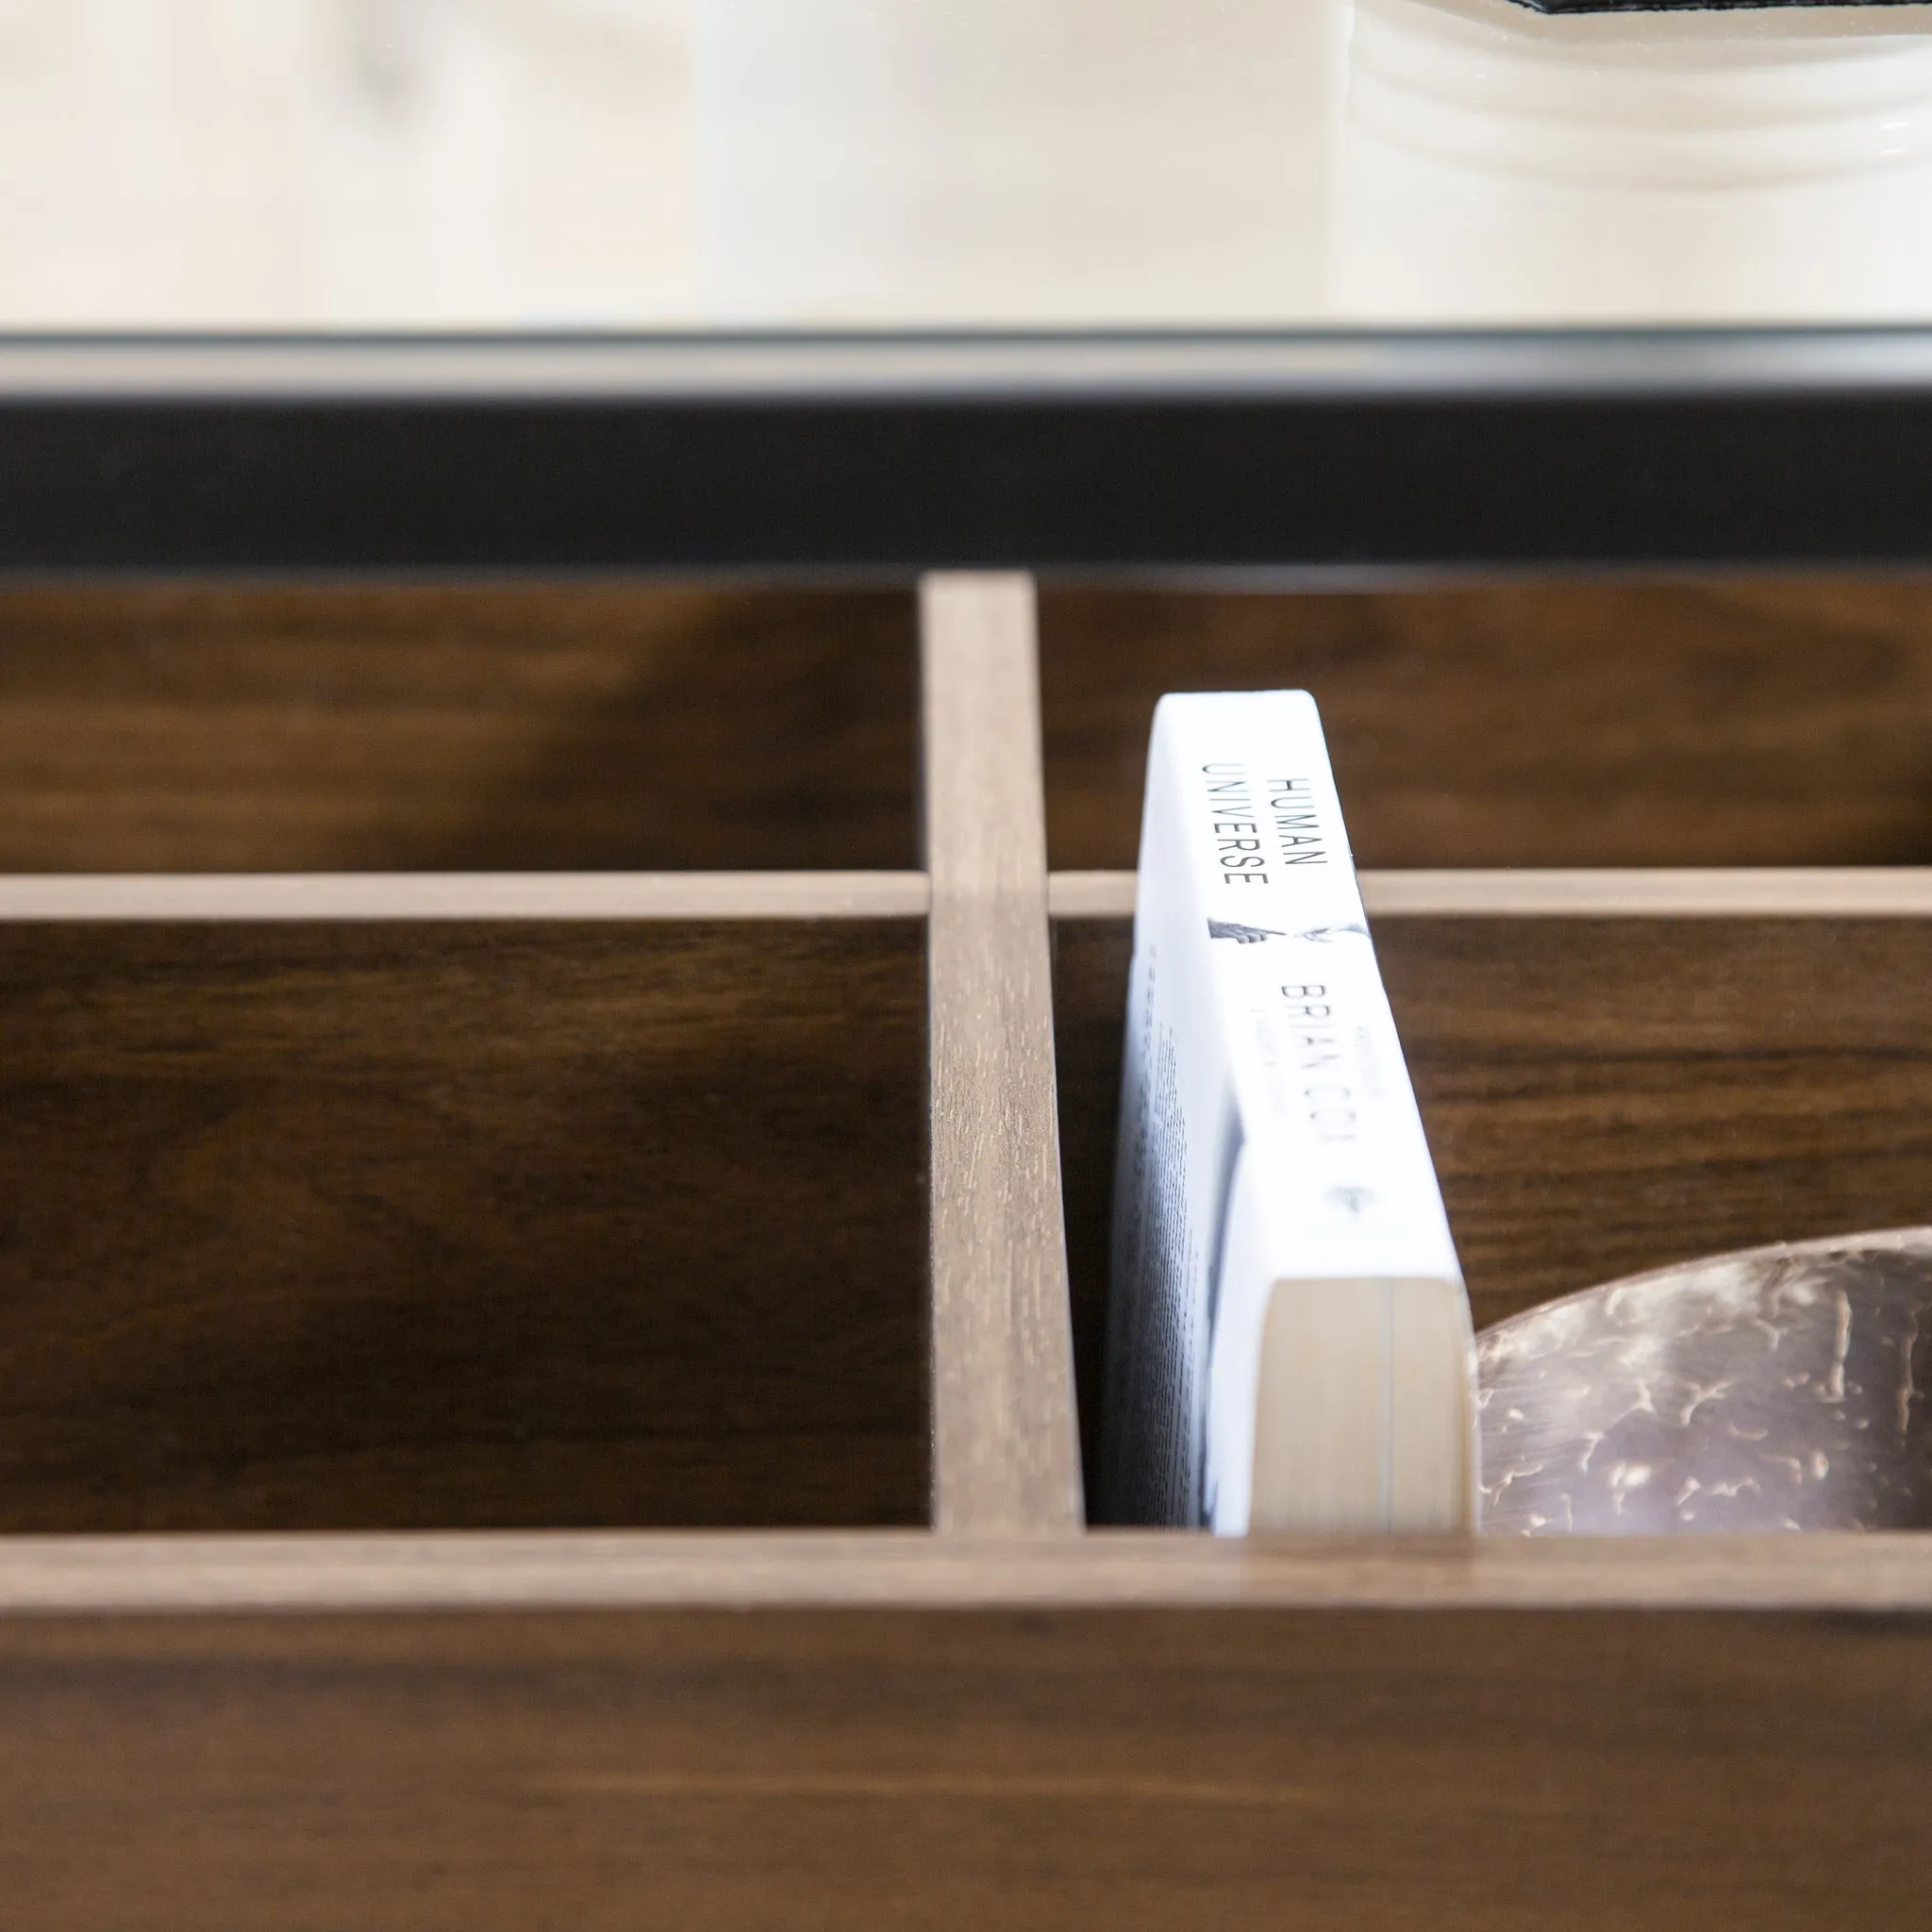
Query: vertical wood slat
{"points": [[1006, 1442]]}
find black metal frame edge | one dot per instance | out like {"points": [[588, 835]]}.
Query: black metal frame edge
{"points": [[876, 453]]}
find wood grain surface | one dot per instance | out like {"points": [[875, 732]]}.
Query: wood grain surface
{"points": [[1601, 1095], [1470, 1771], [1720, 721], [1818, 891], [1006, 1453], [72, 897], [308, 1227], [289, 729], [1879, 1572]]}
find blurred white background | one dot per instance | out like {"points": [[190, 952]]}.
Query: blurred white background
{"points": [[344, 162], [459, 163], [683, 163]]}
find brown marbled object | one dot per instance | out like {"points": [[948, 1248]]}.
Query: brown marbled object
{"points": [[1780, 1389]]}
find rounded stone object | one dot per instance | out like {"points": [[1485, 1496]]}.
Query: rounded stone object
{"points": [[1777, 1389]]}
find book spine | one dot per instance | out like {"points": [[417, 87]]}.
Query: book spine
{"points": [[1321, 1089], [1269, 1131]]}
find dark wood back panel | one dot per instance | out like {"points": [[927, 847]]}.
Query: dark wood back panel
{"points": [[1722, 722], [393, 1225], [214, 729], [1601, 1095]]}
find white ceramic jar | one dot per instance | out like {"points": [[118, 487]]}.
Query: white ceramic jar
{"points": [[1499, 165]]}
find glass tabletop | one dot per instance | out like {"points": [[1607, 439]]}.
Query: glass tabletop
{"points": [[1199, 165]]}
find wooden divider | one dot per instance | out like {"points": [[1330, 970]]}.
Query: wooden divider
{"points": [[1006, 1455], [1880, 1574], [1851, 891], [185, 897]]}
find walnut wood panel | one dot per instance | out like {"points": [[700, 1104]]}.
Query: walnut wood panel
{"points": [[1601, 1095], [212, 729], [1372, 1770], [399, 1226], [1708, 723]]}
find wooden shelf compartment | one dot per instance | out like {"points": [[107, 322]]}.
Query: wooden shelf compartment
{"points": [[212, 727], [1695, 720], [486, 1221], [566, 1209]]}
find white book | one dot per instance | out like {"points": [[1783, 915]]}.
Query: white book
{"points": [[1289, 1339]]}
